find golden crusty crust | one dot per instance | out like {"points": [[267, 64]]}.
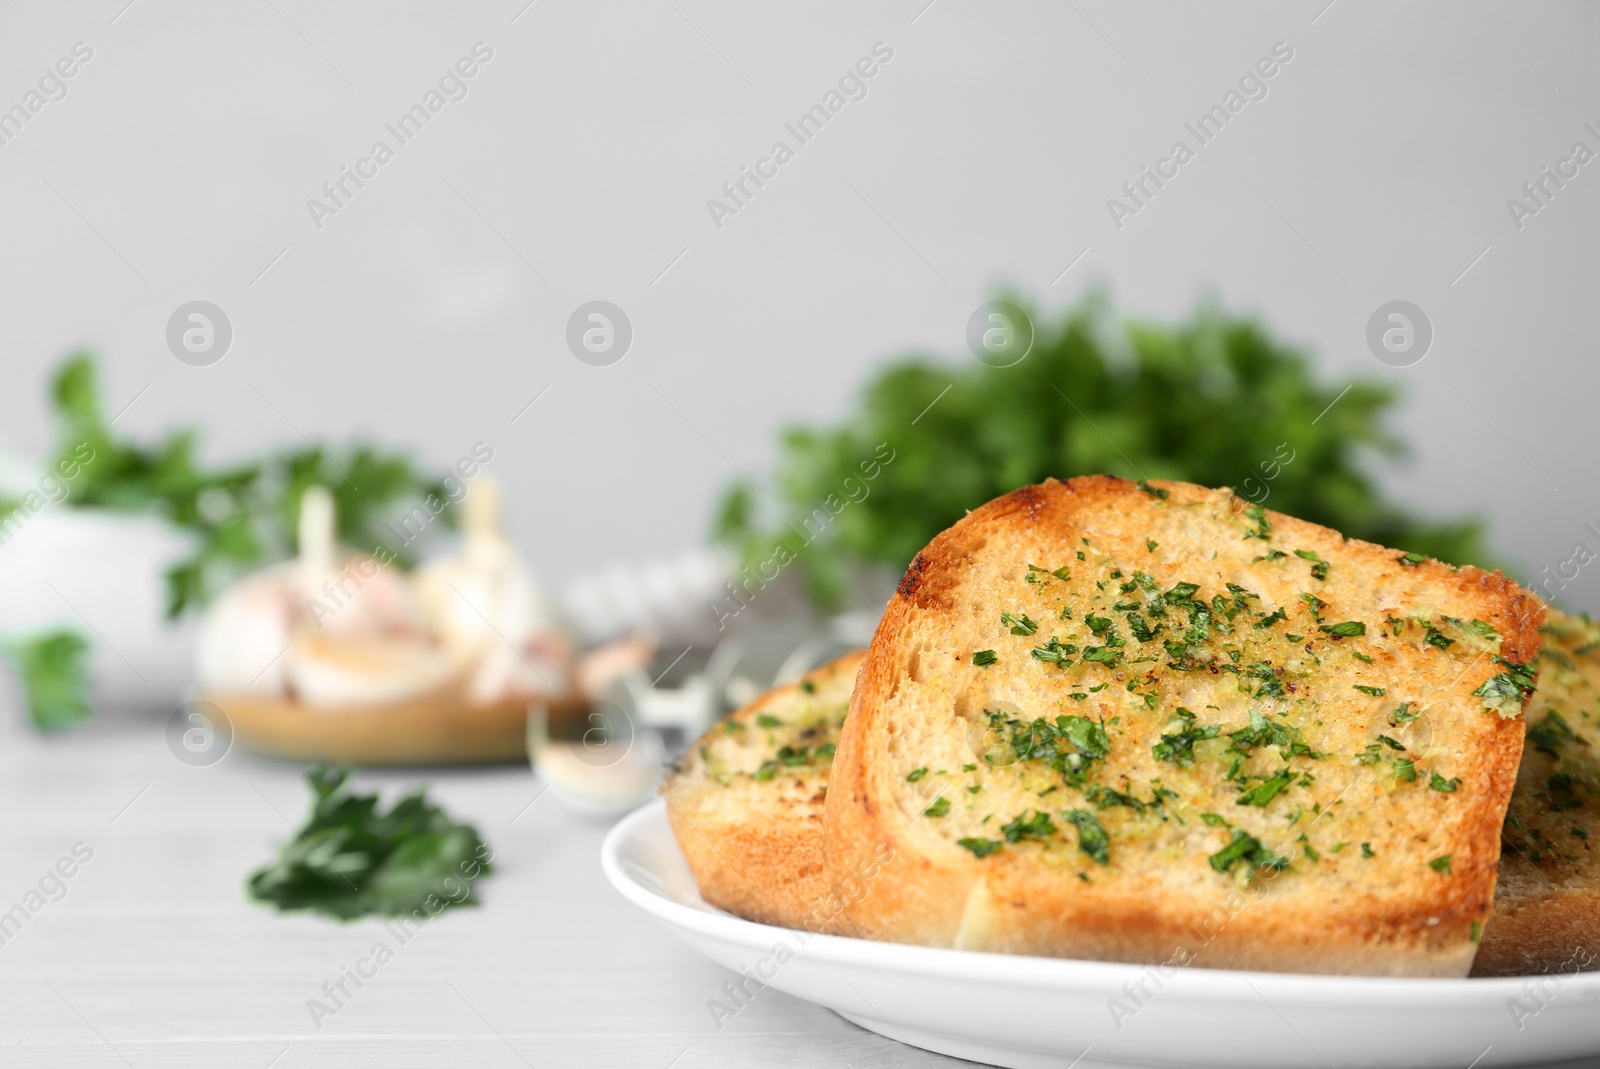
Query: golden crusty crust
{"points": [[746, 800], [1547, 904], [1339, 739]]}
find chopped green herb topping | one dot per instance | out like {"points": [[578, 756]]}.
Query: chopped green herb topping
{"points": [[1441, 864], [1348, 629], [1551, 734], [1153, 491], [1267, 621], [984, 658], [940, 806], [1178, 747], [1503, 693], [1265, 731], [1264, 792], [1246, 847], [1263, 529], [1036, 828], [1055, 652], [916, 774], [1068, 746], [1092, 837], [1319, 567], [980, 848], [1105, 655], [1376, 692], [767, 720], [1020, 625]]}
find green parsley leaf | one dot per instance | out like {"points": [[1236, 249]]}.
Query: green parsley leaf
{"points": [[1268, 621], [984, 658], [1376, 692], [1037, 828], [1263, 528], [1019, 625], [916, 774], [1246, 847], [1153, 491], [940, 806], [1348, 629], [53, 676], [1178, 747], [767, 720], [1441, 864], [980, 848], [1439, 783], [1055, 652], [1092, 837], [1264, 792]]}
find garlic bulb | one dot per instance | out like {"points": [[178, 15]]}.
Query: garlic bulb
{"points": [[490, 612], [245, 633], [363, 637], [328, 628]]}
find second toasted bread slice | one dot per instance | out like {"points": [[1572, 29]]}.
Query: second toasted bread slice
{"points": [[1547, 905], [1154, 723], [746, 800]]}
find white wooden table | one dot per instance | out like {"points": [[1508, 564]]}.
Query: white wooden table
{"points": [[153, 957]]}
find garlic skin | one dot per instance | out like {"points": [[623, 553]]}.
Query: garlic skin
{"points": [[492, 616]]}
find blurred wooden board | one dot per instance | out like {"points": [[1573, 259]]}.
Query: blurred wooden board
{"points": [[424, 730]]}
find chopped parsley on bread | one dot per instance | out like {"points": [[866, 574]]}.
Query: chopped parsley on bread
{"points": [[1157, 723], [1547, 905], [746, 800]]}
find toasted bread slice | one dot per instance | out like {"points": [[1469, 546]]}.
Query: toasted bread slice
{"points": [[1160, 724], [746, 800], [1547, 905]]}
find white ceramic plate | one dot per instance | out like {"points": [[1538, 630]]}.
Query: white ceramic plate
{"points": [[1028, 1012]]}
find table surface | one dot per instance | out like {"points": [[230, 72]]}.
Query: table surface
{"points": [[153, 957]]}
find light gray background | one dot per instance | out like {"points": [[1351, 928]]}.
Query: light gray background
{"points": [[983, 155]]}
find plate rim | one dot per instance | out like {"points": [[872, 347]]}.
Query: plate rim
{"points": [[1030, 970]]}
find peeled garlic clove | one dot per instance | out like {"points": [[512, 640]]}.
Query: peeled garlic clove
{"points": [[361, 671]]}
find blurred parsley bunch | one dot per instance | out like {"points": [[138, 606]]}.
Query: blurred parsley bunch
{"points": [[241, 515], [352, 859], [1215, 400]]}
